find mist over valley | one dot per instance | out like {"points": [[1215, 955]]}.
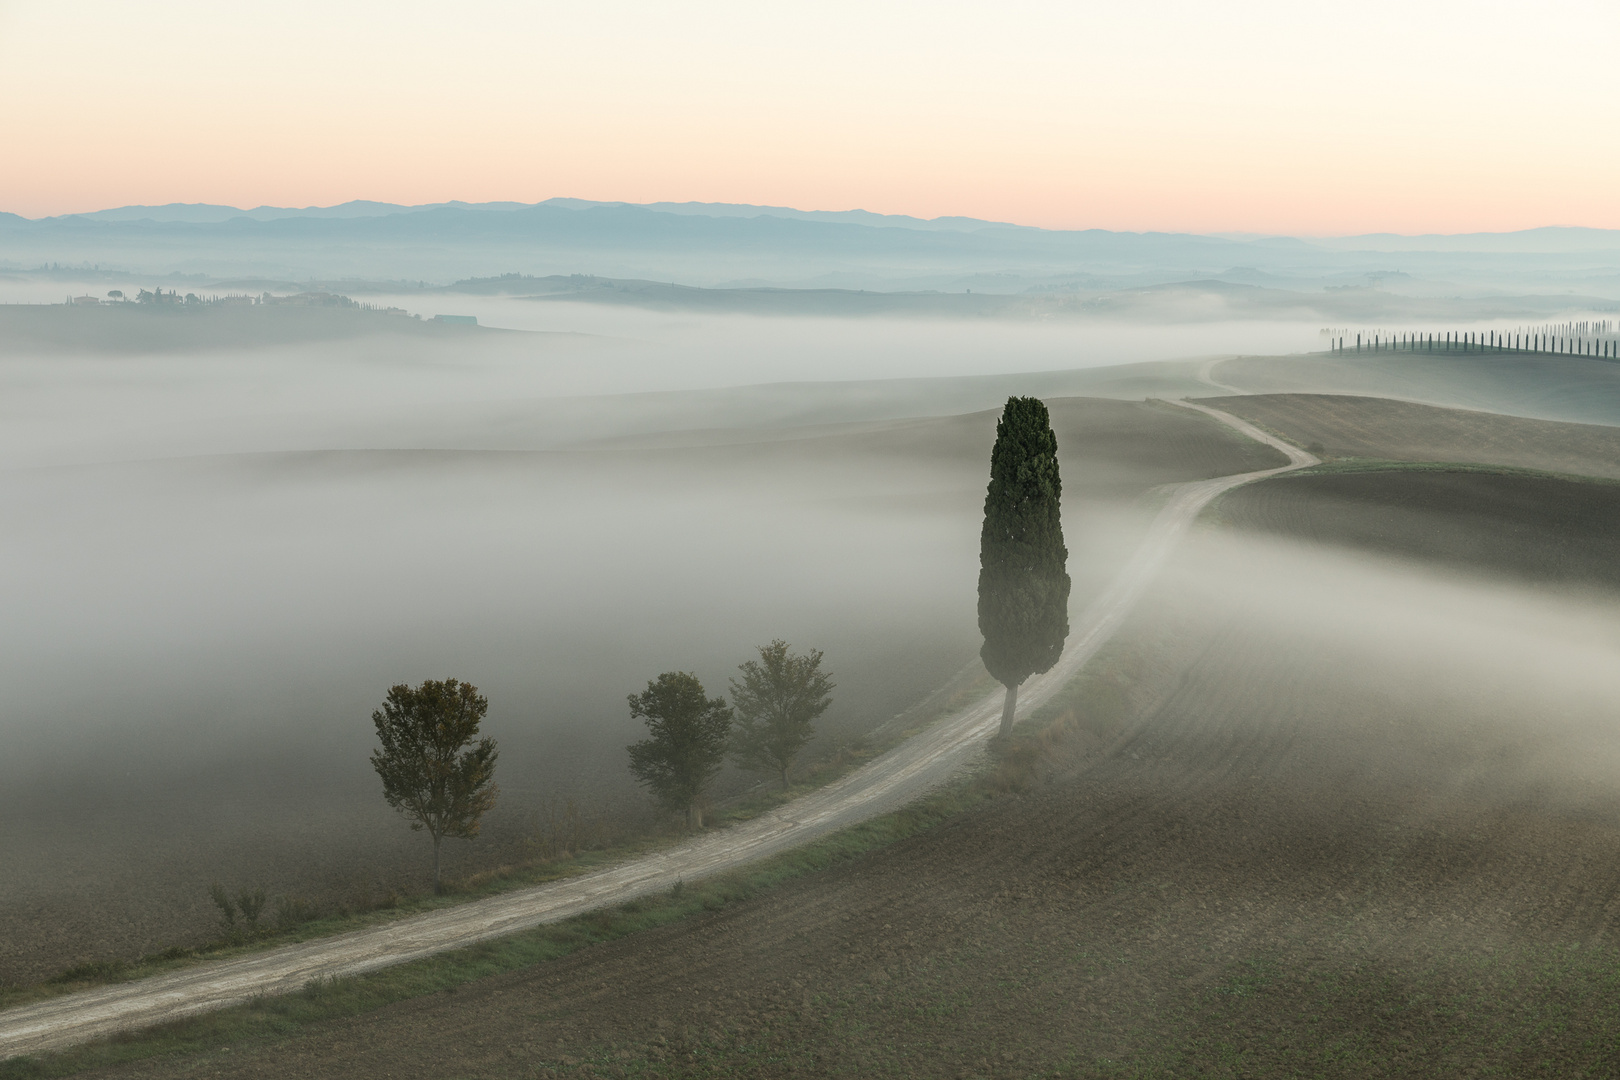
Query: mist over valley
{"points": [[227, 528]]}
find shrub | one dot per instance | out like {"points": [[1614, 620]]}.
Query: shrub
{"points": [[250, 904], [293, 910], [222, 900]]}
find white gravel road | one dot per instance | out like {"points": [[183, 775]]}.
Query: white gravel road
{"points": [[884, 784]]}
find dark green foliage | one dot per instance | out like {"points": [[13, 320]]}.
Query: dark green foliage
{"points": [[1023, 580], [689, 734], [777, 703], [432, 770]]}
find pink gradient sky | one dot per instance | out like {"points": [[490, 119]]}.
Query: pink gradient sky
{"points": [[1263, 116]]}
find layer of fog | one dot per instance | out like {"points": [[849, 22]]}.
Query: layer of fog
{"points": [[518, 390], [1507, 687], [195, 645], [187, 696], [215, 563]]}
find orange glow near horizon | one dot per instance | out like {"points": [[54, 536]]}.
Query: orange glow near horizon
{"points": [[1264, 117]]}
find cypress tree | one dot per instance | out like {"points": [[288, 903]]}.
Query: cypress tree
{"points": [[1023, 575]]}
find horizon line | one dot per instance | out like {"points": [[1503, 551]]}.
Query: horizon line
{"points": [[765, 208]]}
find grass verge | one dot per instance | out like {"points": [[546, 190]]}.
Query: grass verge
{"points": [[1339, 466]]}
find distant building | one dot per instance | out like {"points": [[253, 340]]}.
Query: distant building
{"points": [[468, 320], [87, 299]]}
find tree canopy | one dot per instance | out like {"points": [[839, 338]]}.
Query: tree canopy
{"points": [[1023, 575], [432, 770], [777, 702], [687, 738]]}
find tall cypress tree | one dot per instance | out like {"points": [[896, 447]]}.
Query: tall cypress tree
{"points": [[1023, 575]]}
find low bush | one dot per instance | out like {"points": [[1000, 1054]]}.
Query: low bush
{"points": [[293, 911]]}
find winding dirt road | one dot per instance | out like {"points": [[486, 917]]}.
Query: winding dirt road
{"points": [[883, 785]]}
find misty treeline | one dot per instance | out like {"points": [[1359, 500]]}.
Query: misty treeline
{"points": [[1593, 338]]}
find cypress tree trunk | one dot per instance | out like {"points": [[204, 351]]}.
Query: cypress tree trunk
{"points": [[1008, 707]]}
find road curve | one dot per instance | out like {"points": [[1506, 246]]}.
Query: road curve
{"points": [[882, 785]]}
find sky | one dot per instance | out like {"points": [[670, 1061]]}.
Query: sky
{"points": [[1268, 116]]}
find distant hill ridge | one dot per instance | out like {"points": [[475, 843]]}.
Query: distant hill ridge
{"points": [[733, 244], [1543, 239]]}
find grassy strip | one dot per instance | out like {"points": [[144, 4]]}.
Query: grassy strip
{"points": [[967, 686], [501, 880], [1339, 466]]}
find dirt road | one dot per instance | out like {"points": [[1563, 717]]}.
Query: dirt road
{"points": [[884, 784]]}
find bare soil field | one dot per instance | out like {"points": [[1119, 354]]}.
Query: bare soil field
{"points": [[1315, 813], [1347, 426], [113, 860]]}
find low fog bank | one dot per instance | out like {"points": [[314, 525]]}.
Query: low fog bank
{"points": [[197, 643], [578, 372], [189, 694], [241, 597], [216, 563], [589, 375], [1306, 666]]}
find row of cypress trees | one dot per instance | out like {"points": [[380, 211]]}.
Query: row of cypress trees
{"points": [[1483, 341]]}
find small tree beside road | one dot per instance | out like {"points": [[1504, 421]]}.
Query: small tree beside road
{"points": [[777, 702], [688, 735], [432, 770]]}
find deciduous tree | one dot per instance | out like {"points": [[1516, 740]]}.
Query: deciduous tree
{"points": [[688, 734], [435, 769], [777, 703], [1023, 574]]}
